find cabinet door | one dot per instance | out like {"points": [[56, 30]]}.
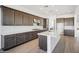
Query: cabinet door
{"points": [[8, 16], [30, 21], [44, 23], [27, 37], [20, 38], [34, 35], [69, 32], [25, 19], [69, 22], [9, 41], [43, 42], [18, 18]]}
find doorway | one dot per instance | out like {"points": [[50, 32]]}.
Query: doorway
{"points": [[65, 26]]}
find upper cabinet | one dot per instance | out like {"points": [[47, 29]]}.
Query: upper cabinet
{"points": [[31, 18], [69, 21], [13, 17], [45, 23], [18, 18], [25, 19], [7, 16]]}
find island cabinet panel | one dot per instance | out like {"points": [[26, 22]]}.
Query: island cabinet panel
{"points": [[7, 16], [43, 42], [18, 18], [20, 38], [25, 19], [9, 41]]}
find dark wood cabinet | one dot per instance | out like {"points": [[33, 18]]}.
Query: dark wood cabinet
{"points": [[18, 18], [34, 35], [9, 41], [30, 21], [17, 39], [25, 19], [69, 32], [20, 38], [60, 20], [14, 17], [27, 37], [44, 23], [69, 21], [7, 16], [43, 42]]}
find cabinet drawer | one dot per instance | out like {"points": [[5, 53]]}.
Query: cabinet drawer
{"points": [[27, 37], [69, 32], [9, 41], [20, 38]]}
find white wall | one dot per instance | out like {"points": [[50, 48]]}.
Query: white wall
{"points": [[6, 30], [0, 28], [65, 16], [52, 21], [76, 21]]}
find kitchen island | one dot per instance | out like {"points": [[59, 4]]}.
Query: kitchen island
{"points": [[48, 40]]}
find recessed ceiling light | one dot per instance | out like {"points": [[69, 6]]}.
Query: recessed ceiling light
{"points": [[56, 10], [41, 8]]}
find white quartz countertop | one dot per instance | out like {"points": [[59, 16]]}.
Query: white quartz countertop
{"points": [[16, 32], [8, 30], [47, 33]]}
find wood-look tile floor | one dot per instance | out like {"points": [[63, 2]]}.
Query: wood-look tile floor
{"points": [[67, 44], [71, 44]]}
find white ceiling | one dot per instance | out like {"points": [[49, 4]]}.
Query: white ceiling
{"points": [[47, 10], [51, 9]]}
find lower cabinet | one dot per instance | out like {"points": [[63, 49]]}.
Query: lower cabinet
{"points": [[27, 37], [9, 41], [20, 38], [69, 32], [17, 39], [34, 35]]}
